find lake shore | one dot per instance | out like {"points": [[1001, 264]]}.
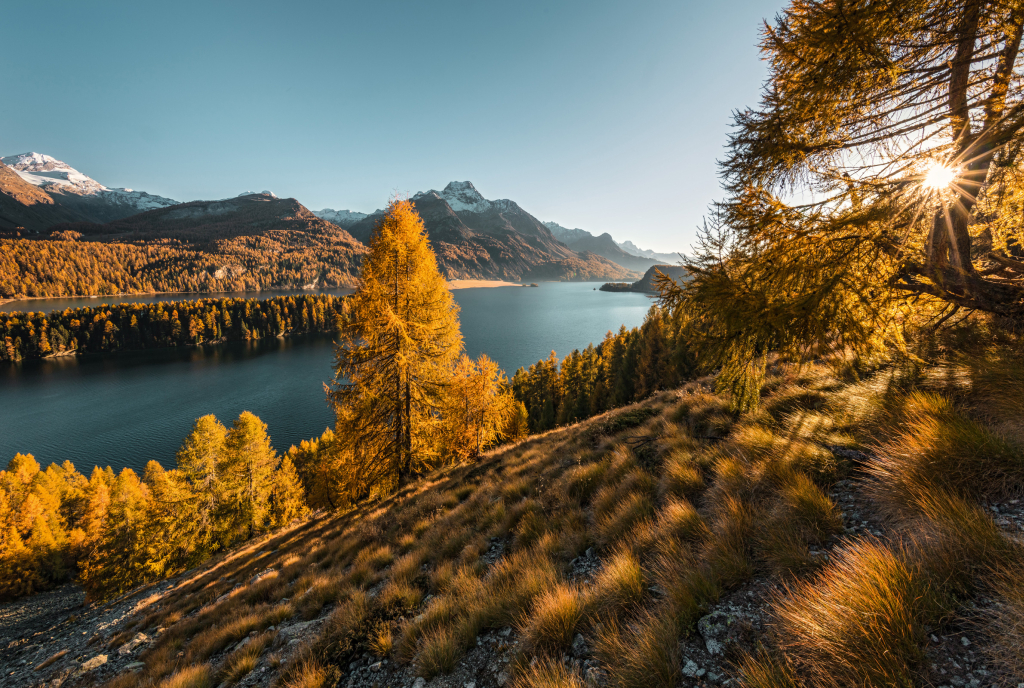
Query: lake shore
{"points": [[186, 295], [476, 284]]}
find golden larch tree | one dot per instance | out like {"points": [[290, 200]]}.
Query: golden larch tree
{"points": [[395, 355]]}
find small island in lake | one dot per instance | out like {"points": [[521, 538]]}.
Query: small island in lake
{"points": [[646, 284]]}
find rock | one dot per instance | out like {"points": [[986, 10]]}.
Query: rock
{"points": [[579, 646], [691, 669], [261, 575], [90, 664], [505, 631], [131, 645], [296, 628], [469, 684], [133, 666], [594, 677], [965, 641], [375, 666], [420, 682], [721, 629]]}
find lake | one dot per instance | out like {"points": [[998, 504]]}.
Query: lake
{"points": [[126, 409]]}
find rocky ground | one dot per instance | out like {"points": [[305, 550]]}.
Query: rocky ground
{"points": [[57, 639]]}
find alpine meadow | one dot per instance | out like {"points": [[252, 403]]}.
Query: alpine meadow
{"points": [[794, 459]]}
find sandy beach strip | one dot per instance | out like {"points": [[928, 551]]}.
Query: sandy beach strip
{"points": [[475, 284]]}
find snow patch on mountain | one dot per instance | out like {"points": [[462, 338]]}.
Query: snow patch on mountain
{"points": [[51, 174], [340, 217], [257, 193], [42, 170], [463, 197]]}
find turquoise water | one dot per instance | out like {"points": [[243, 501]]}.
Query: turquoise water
{"points": [[127, 409]]}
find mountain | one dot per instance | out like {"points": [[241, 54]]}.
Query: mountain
{"points": [[566, 235], [670, 258], [250, 242], [24, 206], [79, 197], [475, 238], [606, 247], [342, 218], [581, 239], [646, 284]]}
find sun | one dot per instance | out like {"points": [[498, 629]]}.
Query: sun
{"points": [[939, 176]]}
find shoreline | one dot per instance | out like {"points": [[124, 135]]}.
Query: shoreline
{"points": [[478, 284], [196, 294]]}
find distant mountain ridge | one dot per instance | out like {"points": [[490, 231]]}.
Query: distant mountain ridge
{"points": [[79, 197], [585, 240], [477, 238]]}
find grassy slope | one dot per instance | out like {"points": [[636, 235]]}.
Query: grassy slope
{"points": [[844, 518]]}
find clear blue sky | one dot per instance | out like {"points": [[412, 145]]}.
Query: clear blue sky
{"points": [[603, 115]]}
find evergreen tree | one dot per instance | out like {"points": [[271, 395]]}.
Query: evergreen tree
{"points": [[395, 355]]}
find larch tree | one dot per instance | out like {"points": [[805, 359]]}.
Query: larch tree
{"points": [[394, 355], [478, 409], [876, 186], [202, 461], [250, 470], [119, 563]]}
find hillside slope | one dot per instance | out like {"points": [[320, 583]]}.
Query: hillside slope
{"points": [[668, 543], [251, 242]]}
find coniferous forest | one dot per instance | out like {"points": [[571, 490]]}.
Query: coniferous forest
{"points": [[129, 327]]}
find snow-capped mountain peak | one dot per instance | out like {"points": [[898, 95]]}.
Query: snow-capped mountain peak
{"points": [[257, 193], [42, 170], [342, 218], [463, 196], [53, 175]]}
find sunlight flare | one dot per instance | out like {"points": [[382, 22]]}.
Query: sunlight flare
{"points": [[939, 176]]}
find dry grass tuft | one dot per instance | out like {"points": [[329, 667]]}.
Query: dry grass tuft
{"points": [[937, 447], [619, 586], [643, 654], [195, 676], [309, 675], [439, 652], [242, 661], [553, 620], [861, 621], [546, 673], [1006, 619]]}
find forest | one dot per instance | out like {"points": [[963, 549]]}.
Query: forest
{"points": [[627, 366], [116, 531], [66, 266], [128, 327]]}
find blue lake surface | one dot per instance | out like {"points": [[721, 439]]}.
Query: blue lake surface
{"points": [[126, 409]]}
